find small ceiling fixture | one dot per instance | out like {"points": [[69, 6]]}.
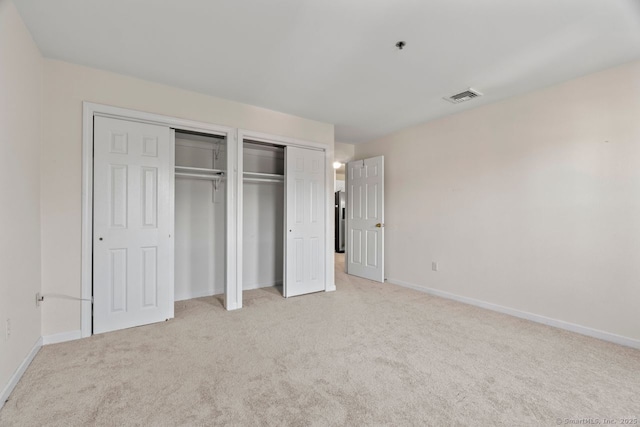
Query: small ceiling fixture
{"points": [[401, 44], [336, 165], [466, 95]]}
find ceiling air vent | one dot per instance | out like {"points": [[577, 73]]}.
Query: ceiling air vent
{"points": [[467, 95]]}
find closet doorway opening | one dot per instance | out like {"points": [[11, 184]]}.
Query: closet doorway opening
{"points": [[263, 215], [200, 215]]}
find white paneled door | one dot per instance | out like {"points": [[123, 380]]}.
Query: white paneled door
{"points": [[132, 224], [305, 221], [365, 218]]}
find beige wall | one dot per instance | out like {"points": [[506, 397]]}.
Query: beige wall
{"points": [[20, 96], [532, 203], [65, 87], [342, 153]]}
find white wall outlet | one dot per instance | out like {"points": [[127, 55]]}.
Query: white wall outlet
{"points": [[434, 265], [8, 329]]}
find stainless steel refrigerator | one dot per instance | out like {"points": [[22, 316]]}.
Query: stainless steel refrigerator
{"points": [[340, 220]]}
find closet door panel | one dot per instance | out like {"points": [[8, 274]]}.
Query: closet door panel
{"points": [[149, 197], [305, 221], [117, 281], [132, 246], [118, 195], [150, 277]]}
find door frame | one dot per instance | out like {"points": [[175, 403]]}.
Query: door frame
{"points": [[328, 225], [91, 110]]}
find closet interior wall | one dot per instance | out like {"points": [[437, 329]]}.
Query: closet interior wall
{"points": [[200, 215], [263, 215]]}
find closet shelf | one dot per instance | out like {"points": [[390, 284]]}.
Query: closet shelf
{"points": [[199, 173], [264, 175], [204, 170], [262, 180], [198, 176], [218, 175]]}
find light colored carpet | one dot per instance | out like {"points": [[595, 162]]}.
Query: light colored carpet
{"points": [[368, 354]]}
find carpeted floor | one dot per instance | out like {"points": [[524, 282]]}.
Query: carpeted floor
{"points": [[368, 354]]}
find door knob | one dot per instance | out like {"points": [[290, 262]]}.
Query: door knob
{"points": [[379, 225]]}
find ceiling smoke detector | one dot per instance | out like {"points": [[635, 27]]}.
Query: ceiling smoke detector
{"points": [[467, 95]]}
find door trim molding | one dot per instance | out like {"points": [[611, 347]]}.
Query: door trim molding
{"points": [[89, 111]]}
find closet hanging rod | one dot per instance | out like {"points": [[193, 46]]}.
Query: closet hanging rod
{"points": [[198, 176], [270, 175], [263, 180], [192, 169]]}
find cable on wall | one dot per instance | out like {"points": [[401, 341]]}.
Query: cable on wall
{"points": [[40, 298]]}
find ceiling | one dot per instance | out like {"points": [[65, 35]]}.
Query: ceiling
{"points": [[336, 61]]}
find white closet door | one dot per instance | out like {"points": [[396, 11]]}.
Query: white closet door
{"points": [[305, 221], [365, 218], [132, 224]]}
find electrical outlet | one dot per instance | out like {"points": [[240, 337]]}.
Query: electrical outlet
{"points": [[434, 265], [8, 329]]}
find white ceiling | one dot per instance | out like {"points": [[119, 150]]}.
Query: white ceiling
{"points": [[335, 61]]}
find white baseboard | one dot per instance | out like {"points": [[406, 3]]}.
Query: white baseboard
{"points": [[253, 286], [209, 292], [231, 307], [62, 337], [561, 324], [13, 381], [198, 294]]}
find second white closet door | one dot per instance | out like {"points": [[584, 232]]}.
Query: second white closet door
{"points": [[305, 221]]}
